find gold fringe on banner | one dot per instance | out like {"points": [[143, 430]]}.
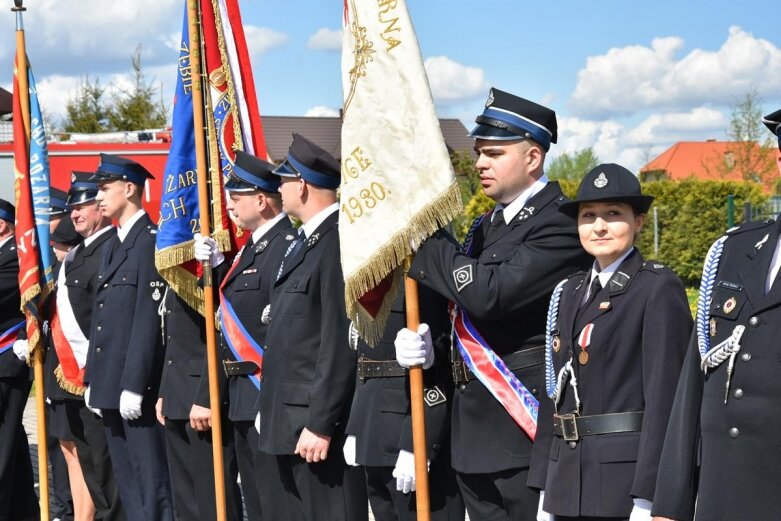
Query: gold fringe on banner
{"points": [[389, 257], [66, 384], [184, 283]]}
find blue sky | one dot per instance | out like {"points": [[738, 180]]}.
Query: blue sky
{"points": [[626, 78]]}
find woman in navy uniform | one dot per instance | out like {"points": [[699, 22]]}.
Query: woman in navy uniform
{"points": [[722, 451], [616, 340]]}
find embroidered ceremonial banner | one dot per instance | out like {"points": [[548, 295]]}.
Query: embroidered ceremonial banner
{"points": [[233, 123], [398, 185], [31, 172]]}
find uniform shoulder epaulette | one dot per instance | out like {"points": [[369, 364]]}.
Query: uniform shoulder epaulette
{"points": [[655, 266], [747, 227]]}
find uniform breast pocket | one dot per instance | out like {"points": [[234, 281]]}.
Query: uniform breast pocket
{"points": [[247, 282], [297, 295], [124, 286], [726, 303]]}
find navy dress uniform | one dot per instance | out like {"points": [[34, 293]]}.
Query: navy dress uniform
{"points": [[79, 278], [190, 461], [503, 282], [126, 354], [245, 287], [381, 422], [613, 363], [721, 452], [17, 496], [308, 367]]}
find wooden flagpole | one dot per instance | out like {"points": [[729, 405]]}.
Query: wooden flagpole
{"points": [[37, 354], [422, 501], [194, 24]]}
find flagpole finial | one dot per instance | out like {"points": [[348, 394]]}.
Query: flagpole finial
{"points": [[18, 6]]}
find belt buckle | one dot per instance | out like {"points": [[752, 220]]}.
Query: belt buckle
{"points": [[459, 372], [569, 426], [361, 371]]}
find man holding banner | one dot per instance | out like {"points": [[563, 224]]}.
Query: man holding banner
{"points": [[245, 292], [500, 283], [17, 496]]}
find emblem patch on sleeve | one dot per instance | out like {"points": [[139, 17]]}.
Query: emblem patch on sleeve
{"points": [[463, 277], [434, 396]]}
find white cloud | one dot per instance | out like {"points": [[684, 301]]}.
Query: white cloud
{"points": [[263, 39], [451, 81], [630, 79], [632, 147], [326, 40], [321, 112]]}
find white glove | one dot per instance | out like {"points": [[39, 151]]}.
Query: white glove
{"points": [[130, 405], [206, 250], [641, 511], [404, 472], [541, 514], [257, 423], [94, 410], [349, 451], [22, 350], [414, 348]]}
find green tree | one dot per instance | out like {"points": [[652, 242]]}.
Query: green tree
{"points": [[135, 108], [88, 111], [573, 166], [750, 151]]}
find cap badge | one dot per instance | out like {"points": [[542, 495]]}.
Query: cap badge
{"points": [[601, 180], [730, 304], [490, 100]]}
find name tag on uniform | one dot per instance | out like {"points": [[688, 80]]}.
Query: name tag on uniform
{"points": [[734, 286]]}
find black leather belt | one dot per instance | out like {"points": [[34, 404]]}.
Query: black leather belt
{"points": [[572, 427], [239, 368], [514, 361], [368, 368]]}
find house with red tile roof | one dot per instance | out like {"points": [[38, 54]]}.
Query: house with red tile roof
{"points": [[716, 161]]}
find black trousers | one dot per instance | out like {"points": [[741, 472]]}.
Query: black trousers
{"points": [[18, 501], [137, 449], [388, 504], [295, 490], [499, 496], [246, 439], [191, 466], [90, 436]]}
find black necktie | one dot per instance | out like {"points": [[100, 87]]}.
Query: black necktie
{"points": [[596, 287], [497, 223]]}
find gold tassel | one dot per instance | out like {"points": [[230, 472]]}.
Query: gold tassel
{"points": [[443, 209], [67, 385]]}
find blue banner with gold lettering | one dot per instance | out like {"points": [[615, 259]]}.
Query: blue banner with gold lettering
{"points": [[179, 212]]}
